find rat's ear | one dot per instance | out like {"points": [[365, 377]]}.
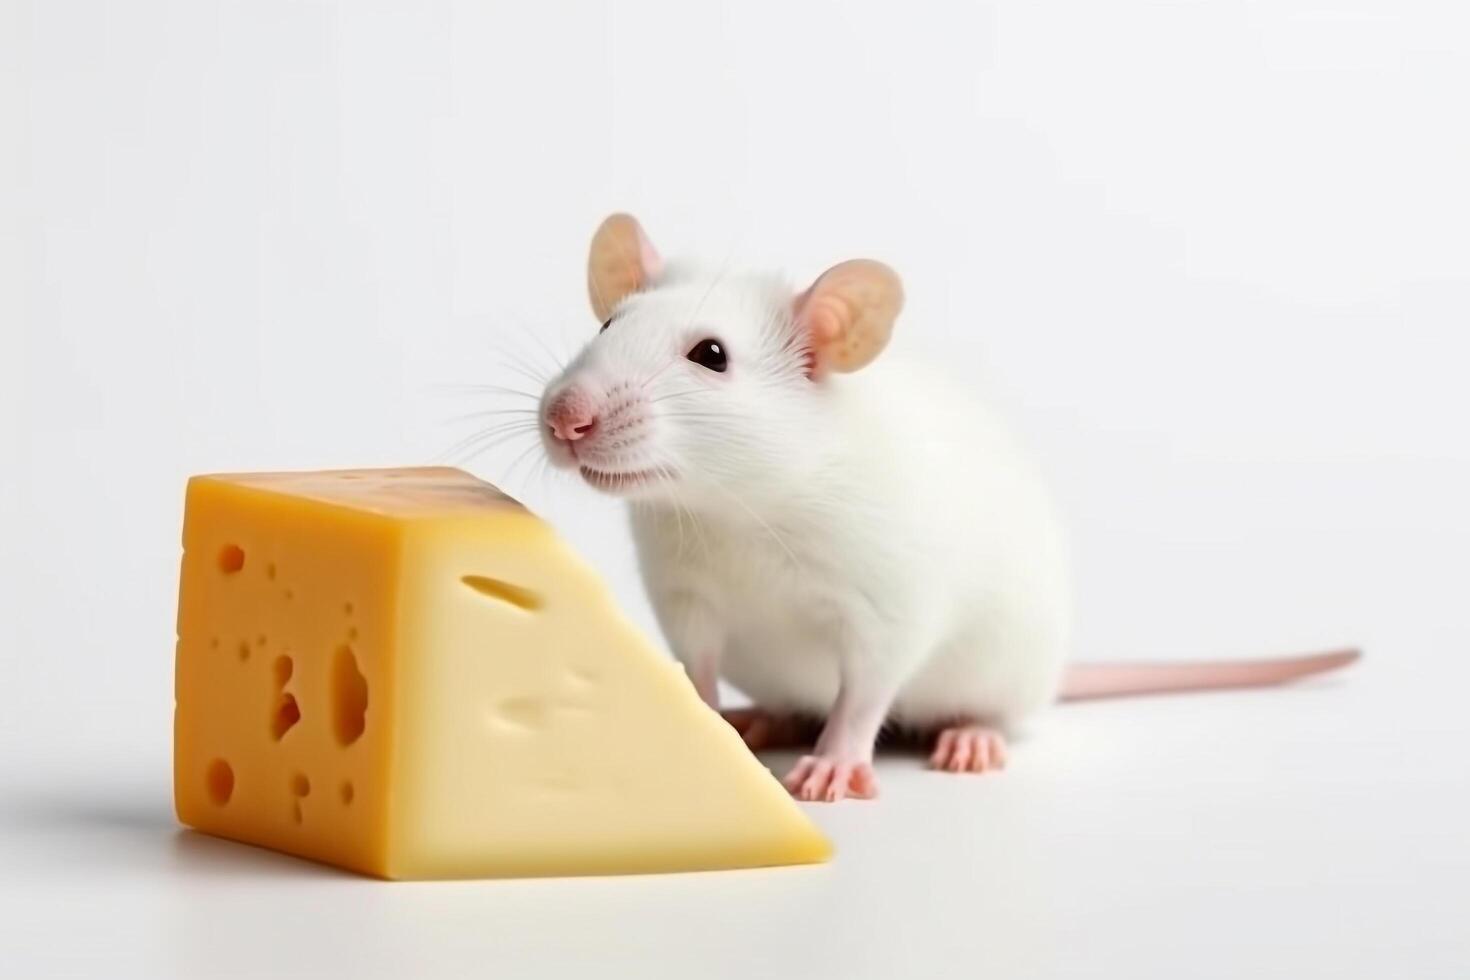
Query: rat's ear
{"points": [[848, 314], [621, 261]]}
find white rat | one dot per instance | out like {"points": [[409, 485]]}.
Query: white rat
{"points": [[839, 536]]}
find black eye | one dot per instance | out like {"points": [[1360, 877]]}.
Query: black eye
{"points": [[605, 324], [710, 354]]}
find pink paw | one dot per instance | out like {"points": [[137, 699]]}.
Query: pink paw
{"points": [[969, 748], [817, 778], [762, 729]]}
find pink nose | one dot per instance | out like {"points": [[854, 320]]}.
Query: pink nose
{"points": [[571, 416]]}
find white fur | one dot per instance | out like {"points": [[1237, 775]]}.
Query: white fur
{"points": [[877, 535]]}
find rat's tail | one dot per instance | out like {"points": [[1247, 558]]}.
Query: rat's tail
{"points": [[1110, 680]]}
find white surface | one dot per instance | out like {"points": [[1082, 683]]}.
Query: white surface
{"points": [[1210, 257]]}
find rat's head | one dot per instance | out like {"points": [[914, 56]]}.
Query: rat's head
{"points": [[699, 385]]}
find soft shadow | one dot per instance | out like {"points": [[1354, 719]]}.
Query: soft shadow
{"points": [[53, 813], [202, 854], [138, 824]]}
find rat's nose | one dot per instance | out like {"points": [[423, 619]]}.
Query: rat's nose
{"points": [[571, 416]]}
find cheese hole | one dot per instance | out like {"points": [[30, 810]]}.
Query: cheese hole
{"points": [[347, 793], [301, 789], [283, 668], [244, 649], [220, 781], [286, 716], [504, 591], [349, 697], [270, 571], [523, 714], [231, 559]]}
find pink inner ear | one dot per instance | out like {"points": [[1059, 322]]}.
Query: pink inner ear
{"points": [[848, 313], [821, 324], [648, 259], [824, 319]]}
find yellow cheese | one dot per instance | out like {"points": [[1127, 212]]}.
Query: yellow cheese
{"points": [[405, 673]]}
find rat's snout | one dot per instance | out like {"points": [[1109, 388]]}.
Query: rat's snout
{"points": [[571, 415], [604, 433]]}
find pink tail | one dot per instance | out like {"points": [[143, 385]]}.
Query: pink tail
{"points": [[1110, 680]]}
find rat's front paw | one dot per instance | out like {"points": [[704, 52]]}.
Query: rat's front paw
{"points": [[820, 778]]}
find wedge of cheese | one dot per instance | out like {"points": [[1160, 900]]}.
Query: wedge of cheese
{"points": [[405, 673]]}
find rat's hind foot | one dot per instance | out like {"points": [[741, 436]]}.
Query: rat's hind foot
{"points": [[762, 729], [820, 778], [968, 748]]}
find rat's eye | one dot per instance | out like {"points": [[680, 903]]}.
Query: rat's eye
{"points": [[605, 324], [710, 354]]}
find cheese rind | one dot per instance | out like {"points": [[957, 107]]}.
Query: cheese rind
{"points": [[405, 673]]}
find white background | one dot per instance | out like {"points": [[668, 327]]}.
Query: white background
{"points": [[1212, 258]]}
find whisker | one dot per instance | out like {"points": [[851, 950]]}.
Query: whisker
{"points": [[718, 277], [483, 435], [694, 522], [652, 377], [676, 394], [506, 425], [557, 363], [490, 389], [467, 416], [494, 444], [666, 479], [758, 519], [541, 470], [510, 470], [525, 371], [468, 454]]}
